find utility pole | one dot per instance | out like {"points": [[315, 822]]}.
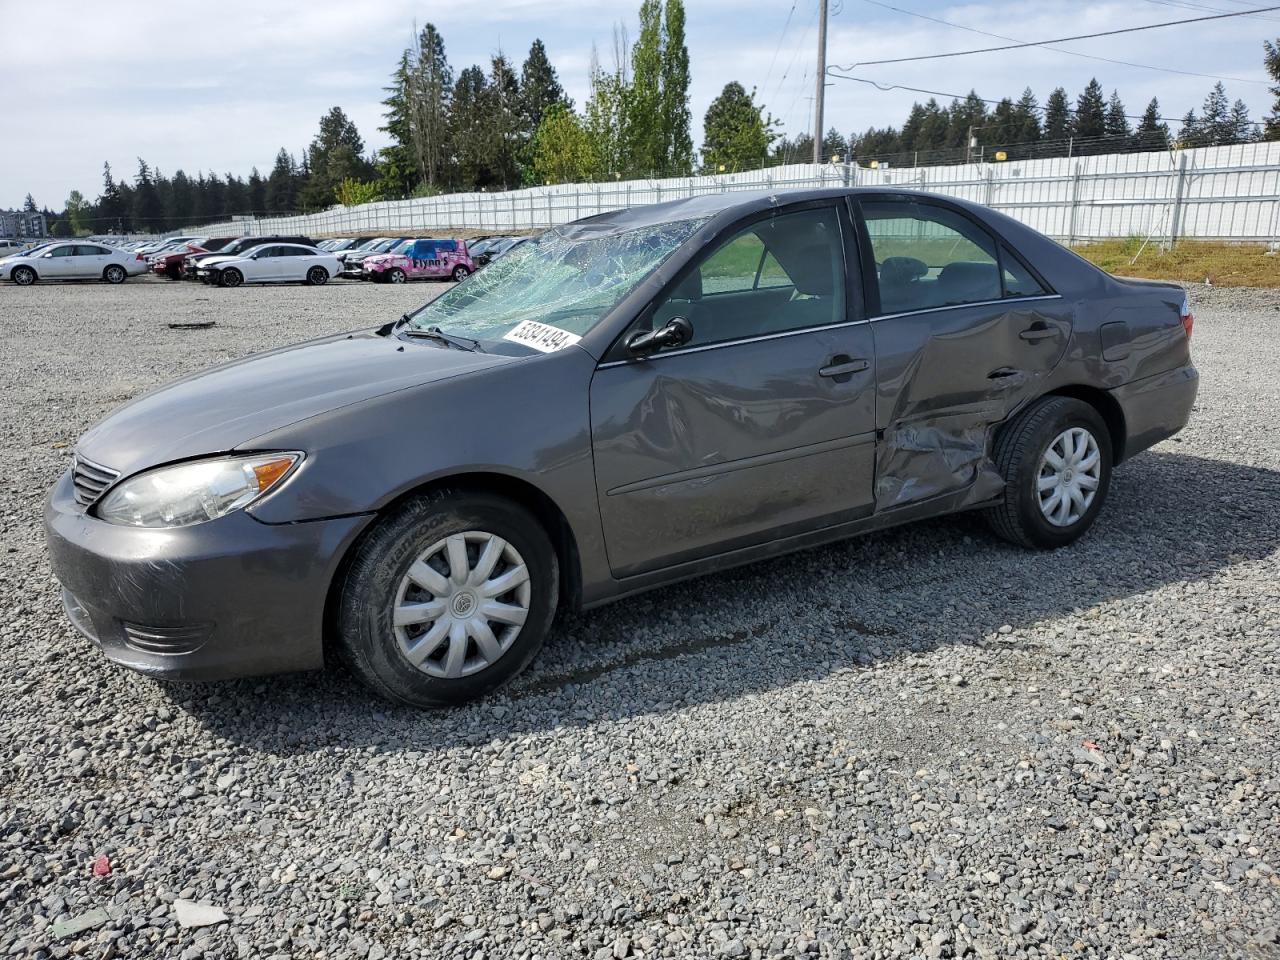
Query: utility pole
{"points": [[818, 128]]}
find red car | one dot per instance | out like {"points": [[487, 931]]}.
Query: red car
{"points": [[169, 263]]}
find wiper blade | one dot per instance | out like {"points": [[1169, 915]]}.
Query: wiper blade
{"points": [[453, 340]]}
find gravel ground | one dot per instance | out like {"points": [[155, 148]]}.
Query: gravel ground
{"points": [[924, 743]]}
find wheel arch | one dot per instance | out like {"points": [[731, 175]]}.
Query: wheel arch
{"points": [[545, 510], [1108, 408]]}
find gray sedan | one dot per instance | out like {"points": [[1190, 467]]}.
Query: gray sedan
{"points": [[625, 401]]}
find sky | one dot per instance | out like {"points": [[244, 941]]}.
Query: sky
{"points": [[86, 83]]}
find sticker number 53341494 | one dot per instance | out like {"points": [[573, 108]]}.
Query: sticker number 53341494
{"points": [[541, 336]]}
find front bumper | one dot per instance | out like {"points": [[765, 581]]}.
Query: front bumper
{"points": [[232, 597], [1155, 408]]}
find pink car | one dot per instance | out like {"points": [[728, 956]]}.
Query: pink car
{"points": [[422, 260]]}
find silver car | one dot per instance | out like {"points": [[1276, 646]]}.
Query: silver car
{"points": [[76, 260]]}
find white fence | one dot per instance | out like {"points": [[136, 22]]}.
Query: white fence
{"points": [[1227, 193]]}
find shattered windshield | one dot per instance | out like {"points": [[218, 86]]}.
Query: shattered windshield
{"points": [[564, 283]]}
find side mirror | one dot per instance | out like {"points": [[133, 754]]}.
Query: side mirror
{"points": [[48, 256], [676, 333]]}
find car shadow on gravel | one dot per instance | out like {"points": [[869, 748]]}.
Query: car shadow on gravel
{"points": [[1171, 519]]}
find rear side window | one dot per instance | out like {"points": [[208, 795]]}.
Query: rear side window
{"points": [[1018, 280], [928, 256]]}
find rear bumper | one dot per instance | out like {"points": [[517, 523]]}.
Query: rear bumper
{"points": [[233, 597], [1155, 408]]}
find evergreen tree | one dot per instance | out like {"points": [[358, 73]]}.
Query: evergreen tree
{"points": [[468, 133], [500, 116], [933, 129], [1057, 116], [835, 145], [1090, 121], [111, 212], [281, 193], [148, 214], [429, 92], [334, 156], [539, 88], [966, 114], [737, 134], [1192, 133], [1215, 117], [1001, 128], [1026, 118], [1152, 133], [1271, 60], [1241, 127], [1116, 124], [235, 198], [29, 204], [257, 193], [397, 160]]}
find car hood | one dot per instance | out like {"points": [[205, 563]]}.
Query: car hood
{"points": [[227, 407], [209, 261]]}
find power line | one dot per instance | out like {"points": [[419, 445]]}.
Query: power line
{"points": [[782, 36], [1188, 5], [1071, 53], [886, 87], [1041, 43]]}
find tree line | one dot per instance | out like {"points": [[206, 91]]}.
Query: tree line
{"points": [[496, 127], [970, 129]]}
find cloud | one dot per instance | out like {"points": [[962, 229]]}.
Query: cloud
{"points": [[224, 92]]}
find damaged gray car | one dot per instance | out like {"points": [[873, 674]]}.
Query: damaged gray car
{"points": [[626, 401]]}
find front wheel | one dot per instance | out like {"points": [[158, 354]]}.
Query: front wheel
{"points": [[460, 273], [395, 275], [447, 598], [231, 277], [1056, 459], [114, 274], [317, 276], [23, 276]]}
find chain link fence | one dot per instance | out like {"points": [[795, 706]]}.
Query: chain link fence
{"points": [[1212, 193]]}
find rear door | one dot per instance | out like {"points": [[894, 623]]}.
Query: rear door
{"points": [[91, 260], [964, 332], [762, 426]]}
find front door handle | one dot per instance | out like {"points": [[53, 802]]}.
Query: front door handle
{"points": [[842, 366], [1038, 331]]}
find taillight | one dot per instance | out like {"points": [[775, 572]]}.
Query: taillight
{"points": [[139, 256], [1188, 321]]}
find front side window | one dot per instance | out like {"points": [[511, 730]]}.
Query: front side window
{"points": [[62, 252], [784, 273], [928, 256]]}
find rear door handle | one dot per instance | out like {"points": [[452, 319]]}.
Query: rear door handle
{"points": [[1038, 332], [843, 367]]}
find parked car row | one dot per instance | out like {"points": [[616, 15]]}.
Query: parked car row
{"points": [[232, 261]]}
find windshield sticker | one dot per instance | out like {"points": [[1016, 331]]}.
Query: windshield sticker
{"points": [[541, 336]]}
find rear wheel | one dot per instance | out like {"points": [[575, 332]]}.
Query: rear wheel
{"points": [[1056, 460], [230, 277], [114, 274], [460, 273], [447, 598], [317, 276], [23, 276]]}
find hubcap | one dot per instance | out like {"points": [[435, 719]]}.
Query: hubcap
{"points": [[1068, 478], [462, 604]]}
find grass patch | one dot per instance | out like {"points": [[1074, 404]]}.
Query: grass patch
{"points": [[1190, 261]]}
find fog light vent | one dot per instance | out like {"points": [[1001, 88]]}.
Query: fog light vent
{"points": [[165, 640]]}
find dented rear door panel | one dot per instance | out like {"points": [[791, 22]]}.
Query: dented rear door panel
{"points": [[945, 378]]}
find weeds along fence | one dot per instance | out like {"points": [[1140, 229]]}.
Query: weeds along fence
{"points": [[1218, 193]]}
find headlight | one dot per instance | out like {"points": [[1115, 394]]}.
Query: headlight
{"points": [[194, 492]]}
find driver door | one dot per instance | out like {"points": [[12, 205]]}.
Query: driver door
{"points": [[58, 263], [761, 426]]}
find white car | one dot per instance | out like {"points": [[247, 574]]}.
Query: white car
{"points": [[270, 263], [72, 261]]}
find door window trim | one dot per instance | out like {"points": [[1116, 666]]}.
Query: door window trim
{"points": [[854, 289], [871, 279]]}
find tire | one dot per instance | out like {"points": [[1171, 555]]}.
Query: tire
{"points": [[173, 273], [317, 276], [114, 273], [395, 275], [1035, 518], [23, 276], [460, 273], [377, 582], [230, 277]]}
